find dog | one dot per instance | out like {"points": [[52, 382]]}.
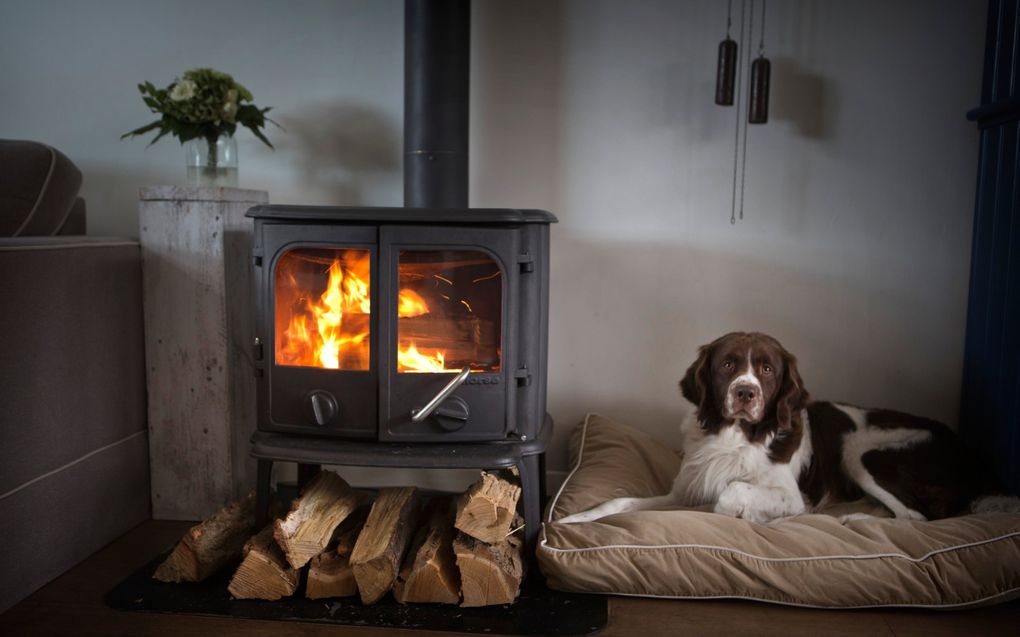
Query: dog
{"points": [[756, 447]]}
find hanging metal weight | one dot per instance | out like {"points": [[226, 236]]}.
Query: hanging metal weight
{"points": [[758, 104], [726, 73]]}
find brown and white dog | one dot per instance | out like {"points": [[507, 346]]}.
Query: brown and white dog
{"points": [[756, 448]]}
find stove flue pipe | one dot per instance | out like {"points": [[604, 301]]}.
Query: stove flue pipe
{"points": [[437, 40]]}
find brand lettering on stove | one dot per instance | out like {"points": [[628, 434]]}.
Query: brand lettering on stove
{"points": [[482, 380]]}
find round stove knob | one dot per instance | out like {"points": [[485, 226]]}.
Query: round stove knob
{"points": [[324, 408]]}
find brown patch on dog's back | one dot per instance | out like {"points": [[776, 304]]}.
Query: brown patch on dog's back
{"points": [[828, 425]]}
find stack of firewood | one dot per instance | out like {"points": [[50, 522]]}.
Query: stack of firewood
{"points": [[342, 541]]}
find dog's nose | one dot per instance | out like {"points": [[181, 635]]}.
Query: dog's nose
{"points": [[745, 393]]}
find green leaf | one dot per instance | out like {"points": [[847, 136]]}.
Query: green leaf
{"points": [[259, 134], [142, 130], [158, 137]]}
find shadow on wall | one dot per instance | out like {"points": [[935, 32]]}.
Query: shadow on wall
{"points": [[802, 98], [339, 146], [627, 318]]}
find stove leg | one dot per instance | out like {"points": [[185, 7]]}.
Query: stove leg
{"points": [[542, 487], [265, 472], [531, 481]]}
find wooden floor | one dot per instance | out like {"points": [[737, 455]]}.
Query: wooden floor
{"points": [[72, 605]]}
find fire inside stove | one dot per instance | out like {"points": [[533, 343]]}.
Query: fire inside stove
{"points": [[448, 310]]}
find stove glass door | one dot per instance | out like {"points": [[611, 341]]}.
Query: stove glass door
{"points": [[449, 311], [323, 309], [446, 332]]}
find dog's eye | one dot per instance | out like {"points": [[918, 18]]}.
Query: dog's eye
{"points": [[727, 364], [766, 369]]}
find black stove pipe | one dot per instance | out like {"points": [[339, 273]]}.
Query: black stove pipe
{"points": [[437, 42]]}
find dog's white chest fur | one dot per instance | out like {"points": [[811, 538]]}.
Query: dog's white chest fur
{"points": [[712, 461]]}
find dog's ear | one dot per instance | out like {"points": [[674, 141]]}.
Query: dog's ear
{"points": [[696, 385], [792, 396]]}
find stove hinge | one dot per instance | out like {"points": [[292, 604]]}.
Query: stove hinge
{"points": [[523, 376], [527, 263]]}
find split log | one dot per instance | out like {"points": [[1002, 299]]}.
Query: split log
{"points": [[490, 573], [430, 574], [208, 546], [486, 510], [329, 572], [264, 572], [464, 340], [323, 505], [380, 547]]}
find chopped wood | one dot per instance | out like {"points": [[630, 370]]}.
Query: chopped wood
{"points": [[329, 572], [430, 574], [264, 572], [490, 573], [380, 547], [211, 544], [323, 505], [486, 510]]}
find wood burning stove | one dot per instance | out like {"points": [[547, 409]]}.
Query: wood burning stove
{"points": [[402, 337], [397, 324]]}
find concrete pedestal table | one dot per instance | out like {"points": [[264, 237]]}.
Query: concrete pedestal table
{"points": [[199, 328]]}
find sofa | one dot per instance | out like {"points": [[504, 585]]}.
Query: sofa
{"points": [[74, 469]]}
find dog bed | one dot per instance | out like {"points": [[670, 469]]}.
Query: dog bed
{"points": [[807, 560]]}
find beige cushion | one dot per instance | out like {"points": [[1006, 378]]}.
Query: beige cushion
{"points": [[810, 560]]}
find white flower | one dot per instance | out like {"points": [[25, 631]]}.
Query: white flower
{"points": [[230, 111], [183, 90]]}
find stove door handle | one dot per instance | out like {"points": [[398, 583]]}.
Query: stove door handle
{"points": [[418, 415]]}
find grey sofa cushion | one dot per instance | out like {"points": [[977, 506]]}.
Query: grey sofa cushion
{"points": [[38, 188], [73, 447]]}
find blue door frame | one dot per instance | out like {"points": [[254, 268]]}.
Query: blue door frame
{"points": [[990, 401]]}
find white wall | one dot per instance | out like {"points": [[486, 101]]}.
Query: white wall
{"points": [[855, 247], [854, 250]]}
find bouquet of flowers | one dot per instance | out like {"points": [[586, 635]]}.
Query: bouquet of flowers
{"points": [[202, 103]]}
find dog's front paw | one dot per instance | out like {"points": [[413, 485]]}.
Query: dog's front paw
{"points": [[735, 500]]}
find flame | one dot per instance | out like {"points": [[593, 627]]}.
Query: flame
{"points": [[343, 294], [409, 359], [411, 304]]}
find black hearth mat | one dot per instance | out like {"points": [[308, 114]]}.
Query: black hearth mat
{"points": [[538, 611]]}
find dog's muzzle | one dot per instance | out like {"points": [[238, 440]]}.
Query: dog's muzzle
{"points": [[744, 400]]}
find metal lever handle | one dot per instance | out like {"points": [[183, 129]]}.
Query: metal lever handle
{"points": [[418, 415]]}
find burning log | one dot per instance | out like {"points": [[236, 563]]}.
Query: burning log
{"points": [[490, 573], [330, 573], [377, 555], [264, 572], [429, 574], [464, 340], [313, 517], [486, 510], [209, 545]]}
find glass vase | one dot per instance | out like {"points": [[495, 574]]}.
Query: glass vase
{"points": [[212, 163]]}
